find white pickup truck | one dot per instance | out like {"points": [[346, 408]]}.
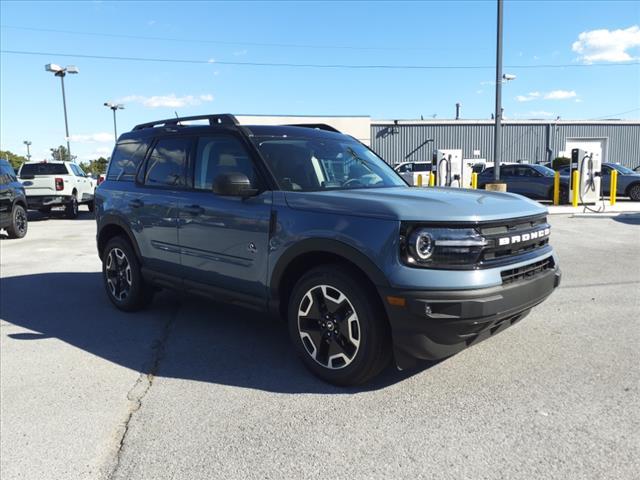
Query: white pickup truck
{"points": [[57, 184]]}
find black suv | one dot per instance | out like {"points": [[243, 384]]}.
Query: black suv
{"points": [[312, 225], [13, 203]]}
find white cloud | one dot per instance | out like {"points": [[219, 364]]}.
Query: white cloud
{"points": [[551, 95], [527, 98], [102, 137], [607, 45], [560, 95], [98, 152], [168, 101]]}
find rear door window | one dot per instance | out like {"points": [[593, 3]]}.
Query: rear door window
{"points": [[218, 155], [167, 162], [126, 158]]}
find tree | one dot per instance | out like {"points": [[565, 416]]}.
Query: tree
{"points": [[61, 154], [14, 160], [96, 167]]}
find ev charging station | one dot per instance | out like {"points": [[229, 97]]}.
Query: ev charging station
{"points": [[449, 169], [589, 167]]}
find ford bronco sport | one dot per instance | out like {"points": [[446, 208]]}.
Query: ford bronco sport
{"points": [[313, 226]]}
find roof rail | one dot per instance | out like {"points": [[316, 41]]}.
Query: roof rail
{"points": [[319, 126], [220, 119]]}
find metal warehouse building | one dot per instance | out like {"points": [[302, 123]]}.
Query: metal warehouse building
{"points": [[533, 141]]}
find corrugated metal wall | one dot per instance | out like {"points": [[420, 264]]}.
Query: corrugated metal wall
{"points": [[521, 140]]}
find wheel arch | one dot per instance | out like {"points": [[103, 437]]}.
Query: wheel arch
{"points": [[310, 253], [111, 226], [627, 190]]}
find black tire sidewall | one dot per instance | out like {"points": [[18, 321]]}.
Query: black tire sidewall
{"points": [[373, 331], [634, 192], [91, 206], [71, 209], [13, 230], [139, 292]]}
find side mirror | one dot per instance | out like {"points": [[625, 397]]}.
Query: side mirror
{"points": [[233, 184]]}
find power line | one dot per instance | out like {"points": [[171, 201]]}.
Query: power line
{"points": [[311, 65], [616, 114], [223, 42]]}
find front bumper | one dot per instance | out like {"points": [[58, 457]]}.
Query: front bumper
{"points": [[437, 324]]}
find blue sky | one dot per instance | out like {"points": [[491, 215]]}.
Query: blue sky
{"points": [[362, 33]]}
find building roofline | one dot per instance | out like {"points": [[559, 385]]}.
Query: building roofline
{"points": [[504, 122]]}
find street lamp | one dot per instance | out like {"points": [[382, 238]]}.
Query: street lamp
{"points": [[61, 72], [28, 144], [114, 107]]}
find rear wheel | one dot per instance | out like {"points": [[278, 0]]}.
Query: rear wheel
{"points": [[634, 192], [338, 327], [19, 224], [71, 209], [122, 276], [91, 205]]}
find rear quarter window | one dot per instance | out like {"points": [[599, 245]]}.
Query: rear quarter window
{"points": [[125, 160]]}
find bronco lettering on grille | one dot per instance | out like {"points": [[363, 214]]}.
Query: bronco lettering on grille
{"points": [[525, 237]]}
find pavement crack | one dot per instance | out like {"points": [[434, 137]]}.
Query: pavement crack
{"points": [[140, 388]]}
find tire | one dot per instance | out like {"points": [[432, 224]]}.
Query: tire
{"points": [[19, 223], [122, 276], [91, 206], [634, 192], [71, 209], [564, 195], [344, 337]]}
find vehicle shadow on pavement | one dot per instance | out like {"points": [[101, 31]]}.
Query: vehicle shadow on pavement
{"points": [[176, 337], [35, 216]]}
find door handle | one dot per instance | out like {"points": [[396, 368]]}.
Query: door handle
{"points": [[136, 203], [193, 209]]}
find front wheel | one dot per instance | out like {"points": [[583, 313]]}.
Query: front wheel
{"points": [[338, 326], [19, 224], [123, 281], [634, 192]]}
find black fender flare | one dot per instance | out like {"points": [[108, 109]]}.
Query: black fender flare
{"points": [[324, 245], [110, 219]]}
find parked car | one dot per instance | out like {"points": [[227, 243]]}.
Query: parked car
{"points": [[276, 218], [13, 202], [628, 181], [532, 181], [407, 169], [57, 184]]}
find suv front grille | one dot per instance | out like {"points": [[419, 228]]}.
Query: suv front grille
{"points": [[527, 272], [513, 240]]}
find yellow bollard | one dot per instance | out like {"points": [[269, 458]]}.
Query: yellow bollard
{"points": [[419, 184], [474, 180], [575, 186], [556, 188], [613, 188], [432, 179]]}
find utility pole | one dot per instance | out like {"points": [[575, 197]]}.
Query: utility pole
{"points": [[497, 138], [114, 107], [28, 144], [61, 72]]}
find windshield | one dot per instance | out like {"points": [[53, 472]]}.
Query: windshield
{"points": [[546, 171], [623, 170], [312, 164], [29, 169]]}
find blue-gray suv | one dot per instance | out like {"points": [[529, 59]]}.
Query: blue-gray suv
{"points": [[312, 226]]}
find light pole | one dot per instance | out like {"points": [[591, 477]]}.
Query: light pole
{"points": [[497, 137], [61, 72], [28, 144], [114, 107]]}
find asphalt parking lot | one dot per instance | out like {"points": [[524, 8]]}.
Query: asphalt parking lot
{"points": [[192, 389]]}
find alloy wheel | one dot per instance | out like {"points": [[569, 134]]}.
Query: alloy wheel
{"points": [[21, 221], [328, 327], [118, 274]]}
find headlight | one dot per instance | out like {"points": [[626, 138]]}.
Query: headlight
{"points": [[441, 247]]}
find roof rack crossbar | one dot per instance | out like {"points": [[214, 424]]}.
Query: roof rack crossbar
{"points": [[220, 119], [319, 126]]}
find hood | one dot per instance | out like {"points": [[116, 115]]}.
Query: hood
{"points": [[417, 204]]}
